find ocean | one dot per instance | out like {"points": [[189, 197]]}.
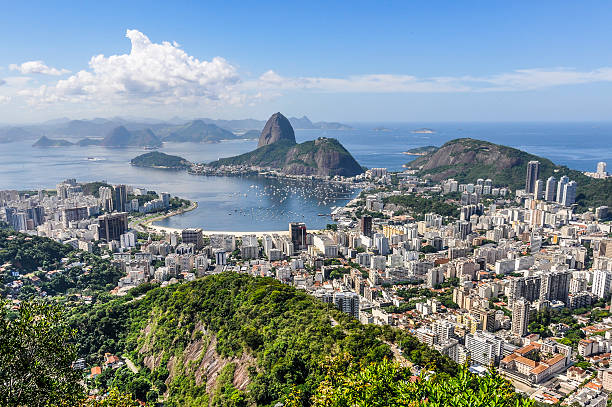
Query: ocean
{"points": [[261, 204]]}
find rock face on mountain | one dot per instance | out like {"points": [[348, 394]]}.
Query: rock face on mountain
{"points": [[277, 128], [278, 149]]}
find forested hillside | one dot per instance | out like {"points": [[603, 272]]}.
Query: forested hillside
{"points": [[235, 340]]}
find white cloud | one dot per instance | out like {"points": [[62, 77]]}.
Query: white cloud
{"points": [[2, 82], [5, 99], [518, 80], [164, 74], [37, 67], [150, 73]]}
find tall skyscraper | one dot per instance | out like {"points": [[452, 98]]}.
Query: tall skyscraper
{"points": [[601, 283], [569, 193], [520, 317], [551, 185], [112, 226], [555, 286], [539, 189], [365, 224], [119, 198], [562, 181], [297, 230], [533, 172]]}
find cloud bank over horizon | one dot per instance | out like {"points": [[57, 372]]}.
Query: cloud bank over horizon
{"points": [[163, 74]]}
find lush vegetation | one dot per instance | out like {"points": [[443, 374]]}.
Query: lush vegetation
{"points": [[36, 354], [282, 335], [155, 159], [42, 264], [386, 383], [93, 188], [418, 206], [287, 155]]}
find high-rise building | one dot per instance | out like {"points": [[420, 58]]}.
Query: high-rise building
{"points": [[485, 348], [119, 198], [551, 184], [297, 230], [112, 226], [381, 243], [538, 192], [533, 172], [601, 283], [194, 236], [106, 198], [569, 193], [520, 317], [601, 169], [560, 186], [365, 224], [347, 302], [525, 287], [555, 286]]}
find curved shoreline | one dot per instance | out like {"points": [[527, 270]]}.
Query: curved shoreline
{"points": [[142, 225]]}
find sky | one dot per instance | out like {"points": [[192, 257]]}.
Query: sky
{"points": [[347, 61]]}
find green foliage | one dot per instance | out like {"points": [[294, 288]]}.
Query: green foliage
{"points": [[386, 383], [418, 206], [29, 253], [157, 159], [36, 354], [93, 188], [285, 331]]}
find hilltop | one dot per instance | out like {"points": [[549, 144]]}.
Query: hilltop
{"points": [[155, 159], [232, 335], [199, 132], [467, 159], [277, 148], [45, 142]]}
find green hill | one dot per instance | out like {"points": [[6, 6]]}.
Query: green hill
{"points": [[278, 149], [155, 159], [233, 337], [322, 157], [468, 159]]}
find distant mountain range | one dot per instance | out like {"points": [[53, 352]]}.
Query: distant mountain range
{"points": [[201, 130]]}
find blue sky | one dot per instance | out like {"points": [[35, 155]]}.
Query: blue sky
{"points": [[346, 61]]}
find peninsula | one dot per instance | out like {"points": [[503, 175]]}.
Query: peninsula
{"points": [[278, 149]]}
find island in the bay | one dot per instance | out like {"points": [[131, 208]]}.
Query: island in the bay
{"points": [[156, 159]]}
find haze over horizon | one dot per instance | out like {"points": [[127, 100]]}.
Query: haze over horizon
{"points": [[389, 63]]}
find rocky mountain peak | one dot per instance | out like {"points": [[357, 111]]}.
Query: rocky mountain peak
{"points": [[277, 128]]}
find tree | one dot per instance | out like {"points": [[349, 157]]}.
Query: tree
{"points": [[386, 383], [36, 355]]}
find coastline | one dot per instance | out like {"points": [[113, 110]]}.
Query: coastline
{"points": [[148, 226]]}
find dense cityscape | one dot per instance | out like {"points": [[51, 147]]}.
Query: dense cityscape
{"points": [[515, 280]]}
